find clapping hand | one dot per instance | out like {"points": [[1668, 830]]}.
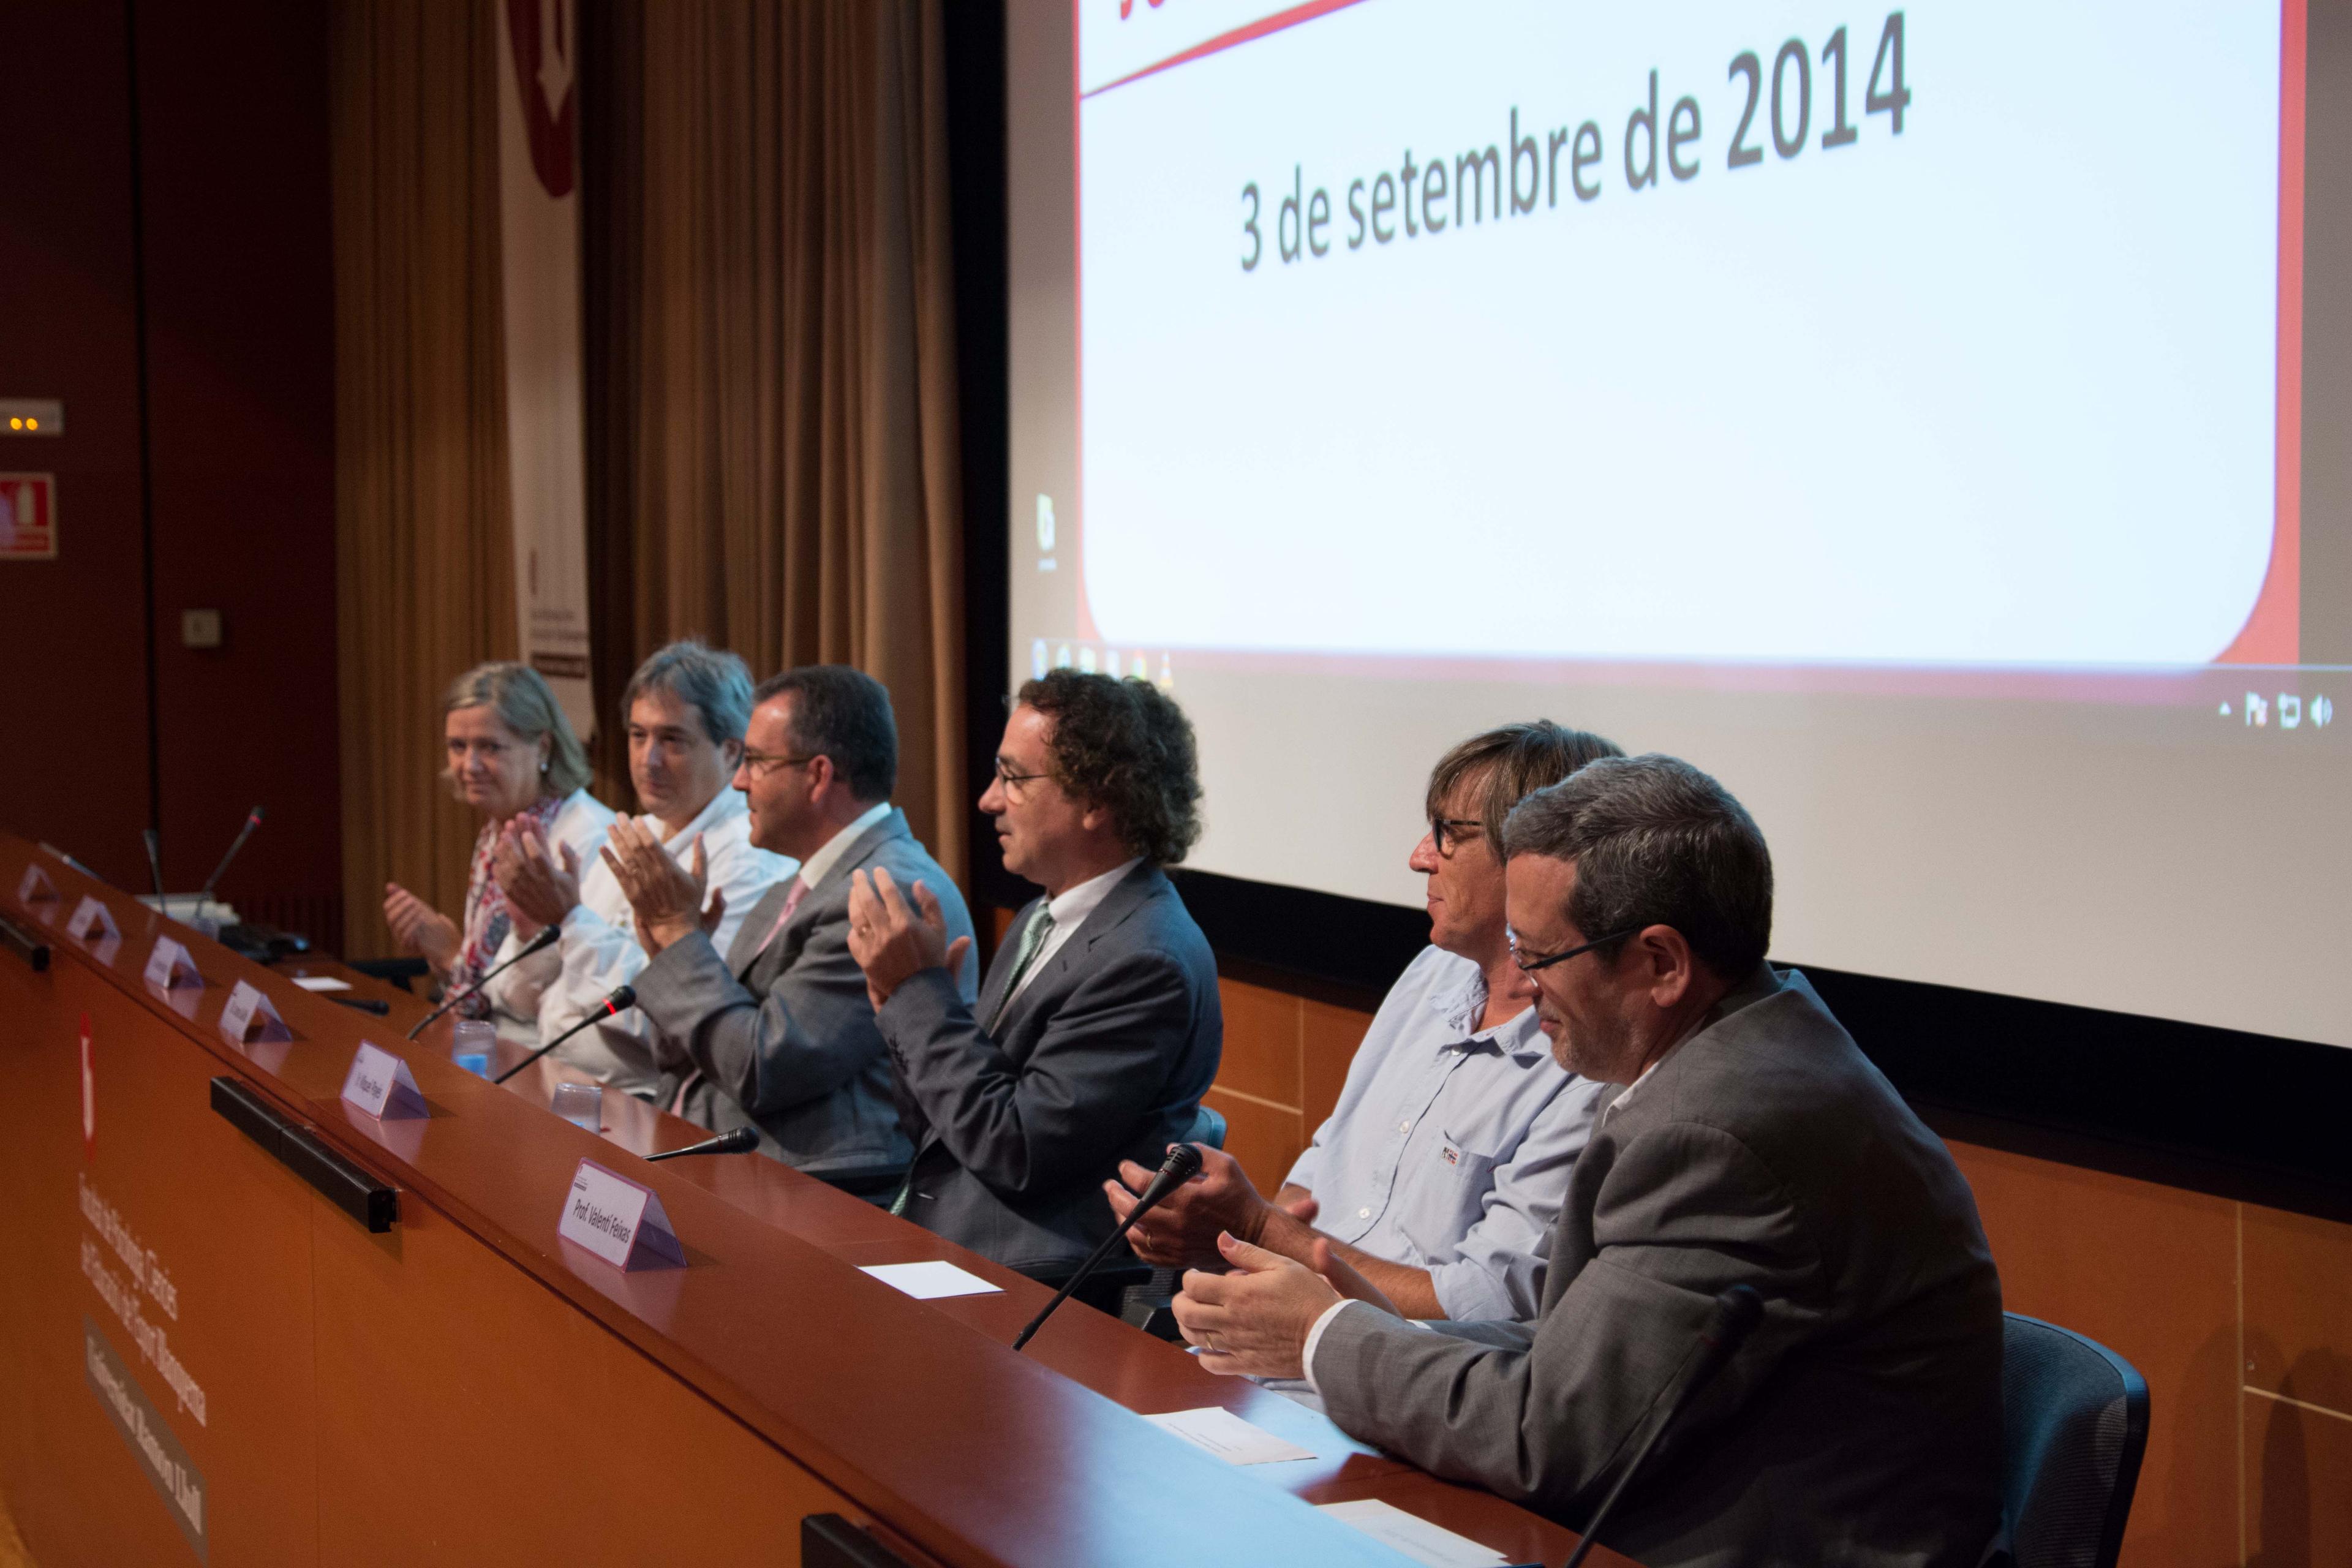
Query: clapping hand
{"points": [[891, 941], [666, 897], [421, 929], [538, 892]]}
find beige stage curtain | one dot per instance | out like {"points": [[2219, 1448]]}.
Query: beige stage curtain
{"points": [[771, 296], [425, 567]]}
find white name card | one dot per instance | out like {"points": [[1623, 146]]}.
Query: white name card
{"points": [[170, 968], [248, 1019], [91, 919], [35, 888], [619, 1221], [381, 1085]]}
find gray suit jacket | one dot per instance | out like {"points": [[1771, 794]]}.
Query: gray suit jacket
{"points": [[1104, 1057], [1860, 1424], [784, 1035]]}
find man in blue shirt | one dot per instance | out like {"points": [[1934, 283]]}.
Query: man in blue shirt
{"points": [[1440, 1173]]}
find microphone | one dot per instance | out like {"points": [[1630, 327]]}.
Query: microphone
{"points": [[252, 821], [361, 1005], [1736, 1312], [1183, 1164], [622, 998], [741, 1141], [154, 865], [548, 937]]}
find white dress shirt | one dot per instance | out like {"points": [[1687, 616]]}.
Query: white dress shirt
{"points": [[1069, 910], [599, 950], [582, 822]]}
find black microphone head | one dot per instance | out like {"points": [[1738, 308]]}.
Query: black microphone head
{"points": [[1184, 1162], [548, 937], [622, 998], [1736, 1312], [741, 1141]]}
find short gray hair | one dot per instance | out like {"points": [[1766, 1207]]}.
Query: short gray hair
{"points": [[524, 703], [1655, 842], [712, 682]]}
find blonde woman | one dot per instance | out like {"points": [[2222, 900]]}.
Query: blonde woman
{"points": [[511, 756]]}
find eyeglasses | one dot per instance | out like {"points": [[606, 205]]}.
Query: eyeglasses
{"points": [[1464, 828], [1012, 781], [1529, 965], [758, 765]]}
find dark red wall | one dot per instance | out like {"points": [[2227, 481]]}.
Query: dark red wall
{"points": [[230, 197]]}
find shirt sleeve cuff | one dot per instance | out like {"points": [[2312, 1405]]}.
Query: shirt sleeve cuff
{"points": [[1315, 1338]]}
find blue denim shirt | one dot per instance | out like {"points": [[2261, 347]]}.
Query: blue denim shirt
{"points": [[1451, 1146]]}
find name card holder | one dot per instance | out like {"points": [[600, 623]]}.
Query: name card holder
{"points": [[619, 1220], [171, 968], [92, 922], [380, 1085], [35, 888], [248, 1019]]}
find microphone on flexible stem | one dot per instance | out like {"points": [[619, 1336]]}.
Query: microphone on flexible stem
{"points": [[1736, 1312], [741, 1141], [548, 937], [622, 998], [1183, 1164], [155, 864], [252, 821]]}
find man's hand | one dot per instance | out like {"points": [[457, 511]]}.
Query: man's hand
{"points": [[1253, 1320], [538, 892], [421, 929], [666, 897], [1183, 1231], [890, 940]]}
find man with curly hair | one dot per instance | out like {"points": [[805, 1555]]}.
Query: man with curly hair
{"points": [[1097, 1030]]}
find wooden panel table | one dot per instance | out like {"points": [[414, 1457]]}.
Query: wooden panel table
{"points": [[465, 1385]]}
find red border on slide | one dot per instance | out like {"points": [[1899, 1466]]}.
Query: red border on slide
{"points": [[2272, 631], [2273, 628]]}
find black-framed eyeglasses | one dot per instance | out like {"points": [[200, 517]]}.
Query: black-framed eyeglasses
{"points": [[761, 764], [1464, 829], [1529, 965], [1012, 781]]}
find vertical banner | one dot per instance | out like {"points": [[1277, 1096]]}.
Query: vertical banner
{"points": [[539, 212]]}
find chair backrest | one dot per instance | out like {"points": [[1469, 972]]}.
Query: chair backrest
{"points": [[2074, 1422], [1208, 1127]]}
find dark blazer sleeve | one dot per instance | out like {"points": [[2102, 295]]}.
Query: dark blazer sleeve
{"points": [[809, 1035], [1684, 1211], [1064, 1113]]}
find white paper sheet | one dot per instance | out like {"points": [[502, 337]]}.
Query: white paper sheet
{"points": [[321, 982], [1413, 1535], [1228, 1437], [929, 1281]]}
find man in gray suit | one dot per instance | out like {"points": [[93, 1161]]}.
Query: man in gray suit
{"points": [[780, 1035], [1860, 1423], [1098, 1030]]}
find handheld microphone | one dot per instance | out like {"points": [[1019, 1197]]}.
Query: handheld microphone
{"points": [[622, 999], [1183, 1164], [154, 864], [252, 821], [548, 937], [741, 1141], [1736, 1312]]}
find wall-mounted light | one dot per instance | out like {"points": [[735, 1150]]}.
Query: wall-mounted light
{"points": [[31, 416]]}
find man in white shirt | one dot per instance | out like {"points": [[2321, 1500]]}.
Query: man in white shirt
{"points": [[1439, 1173], [685, 709]]}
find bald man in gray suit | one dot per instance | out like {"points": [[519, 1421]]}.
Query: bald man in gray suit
{"points": [[1754, 1145]]}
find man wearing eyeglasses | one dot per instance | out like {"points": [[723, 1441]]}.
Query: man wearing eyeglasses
{"points": [[1751, 1144], [780, 1035], [1438, 1174], [1099, 1029]]}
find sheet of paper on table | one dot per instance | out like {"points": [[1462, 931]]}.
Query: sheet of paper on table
{"points": [[1413, 1535], [929, 1281], [1228, 1437], [321, 982]]}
